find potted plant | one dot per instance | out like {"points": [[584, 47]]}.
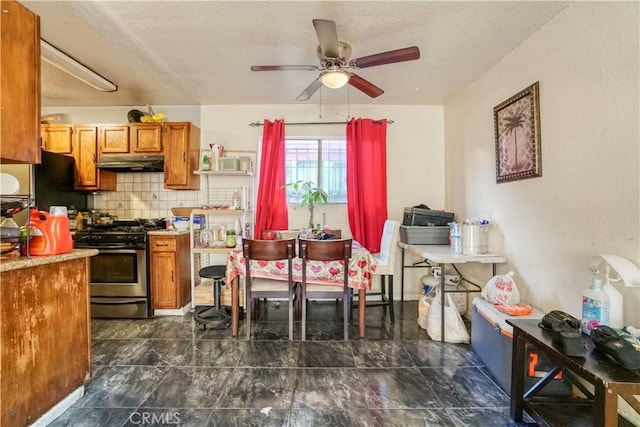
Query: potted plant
{"points": [[311, 196], [206, 163]]}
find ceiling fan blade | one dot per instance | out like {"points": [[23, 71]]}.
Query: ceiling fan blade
{"points": [[398, 55], [284, 68], [365, 86], [328, 37], [310, 90]]}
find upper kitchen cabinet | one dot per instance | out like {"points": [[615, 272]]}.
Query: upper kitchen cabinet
{"points": [[146, 138], [181, 142], [85, 150], [57, 138], [113, 139], [19, 84]]}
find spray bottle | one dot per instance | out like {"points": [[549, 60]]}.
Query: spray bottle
{"points": [[616, 304]]}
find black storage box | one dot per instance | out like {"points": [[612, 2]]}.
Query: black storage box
{"points": [[424, 235], [492, 341], [419, 216]]}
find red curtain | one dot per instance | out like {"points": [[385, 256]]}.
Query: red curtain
{"points": [[271, 205], [367, 180]]}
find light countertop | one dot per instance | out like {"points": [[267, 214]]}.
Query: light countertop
{"points": [[8, 263]]}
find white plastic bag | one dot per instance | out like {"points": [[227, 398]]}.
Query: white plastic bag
{"points": [[423, 312], [501, 289], [454, 329]]}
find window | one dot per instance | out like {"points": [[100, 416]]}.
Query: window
{"points": [[318, 160]]}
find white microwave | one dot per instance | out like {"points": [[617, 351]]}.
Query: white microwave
{"points": [[228, 164]]}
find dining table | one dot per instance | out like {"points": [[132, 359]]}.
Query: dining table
{"points": [[361, 269]]}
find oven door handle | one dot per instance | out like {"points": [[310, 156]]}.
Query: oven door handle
{"points": [[116, 301], [116, 250]]}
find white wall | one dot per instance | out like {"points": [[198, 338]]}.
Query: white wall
{"points": [[587, 201]]}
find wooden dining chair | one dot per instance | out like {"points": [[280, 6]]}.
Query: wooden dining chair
{"points": [[325, 250], [268, 250]]}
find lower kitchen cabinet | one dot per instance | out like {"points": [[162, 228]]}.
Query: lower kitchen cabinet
{"points": [[170, 274]]}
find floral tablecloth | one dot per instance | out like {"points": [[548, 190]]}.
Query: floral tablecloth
{"points": [[361, 269]]}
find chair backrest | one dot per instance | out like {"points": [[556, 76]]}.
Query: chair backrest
{"points": [[325, 250], [389, 243], [268, 250]]}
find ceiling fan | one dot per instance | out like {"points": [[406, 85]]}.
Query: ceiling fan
{"points": [[335, 61]]}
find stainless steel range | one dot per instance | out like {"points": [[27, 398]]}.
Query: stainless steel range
{"points": [[119, 277]]}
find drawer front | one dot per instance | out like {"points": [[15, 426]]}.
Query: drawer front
{"points": [[163, 244]]}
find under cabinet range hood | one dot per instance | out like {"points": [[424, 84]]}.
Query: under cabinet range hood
{"points": [[131, 163]]}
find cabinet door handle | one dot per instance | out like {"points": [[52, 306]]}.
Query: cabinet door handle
{"points": [[162, 244], [172, 275], [184, 156]]}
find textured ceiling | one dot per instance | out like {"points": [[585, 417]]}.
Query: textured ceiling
{"points": [[200, 52]]}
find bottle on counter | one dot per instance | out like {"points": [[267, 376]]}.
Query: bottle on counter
{"points": [[230, 242], [595, 306], [79, 219]]}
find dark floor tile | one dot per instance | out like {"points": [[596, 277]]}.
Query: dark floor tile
{"points": [[162, 352], [377, 354], [164, 417], [221, 354], [325, 354], [266, 354], [124, 328], [256, 388], [272, 330], [486, 417], [329, 331], [397, 388], [464, 387], [327, 389], [412, 417], [114, 351], [197, 387], [92, 417], [437, 354], [399, 330], [120, 386], [330, 418], [248, 418]]}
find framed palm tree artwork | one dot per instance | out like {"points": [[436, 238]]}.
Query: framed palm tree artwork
{"points": [[517, 130]]}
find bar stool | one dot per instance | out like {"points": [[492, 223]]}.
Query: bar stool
{"points": [[215, 317]]}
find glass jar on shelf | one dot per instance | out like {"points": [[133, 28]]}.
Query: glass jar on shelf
{"points": [[230, 241]]}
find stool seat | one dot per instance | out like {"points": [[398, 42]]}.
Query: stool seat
{"points": [[213, 272], [213, 316]]}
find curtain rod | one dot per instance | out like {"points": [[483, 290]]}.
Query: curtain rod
{"points": [[316, 123]]}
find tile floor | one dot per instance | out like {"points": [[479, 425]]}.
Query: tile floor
{"points": [[168, 371]]}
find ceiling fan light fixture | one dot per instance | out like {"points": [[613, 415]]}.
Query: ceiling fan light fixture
{"points": [[334, 79]]}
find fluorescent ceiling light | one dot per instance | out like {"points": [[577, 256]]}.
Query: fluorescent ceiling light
{"points": [[61, 60], [334, 79]]}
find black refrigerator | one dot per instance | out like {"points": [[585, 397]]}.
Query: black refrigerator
{"points": [[53, 180]]}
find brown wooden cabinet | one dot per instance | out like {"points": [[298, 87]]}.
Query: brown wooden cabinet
{"points": [[181, 142], [146, 138], [113, 139], [57, 138], [45, 334], [19, 84], [170, 274], [85, 149]]}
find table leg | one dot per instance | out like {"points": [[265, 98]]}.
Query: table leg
{"points": [[361, 313], [442, 292], [234, 307], [517, 376], [605, 410], [401, 274]]}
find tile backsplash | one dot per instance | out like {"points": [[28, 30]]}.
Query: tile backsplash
{"points": [[142, 195]]}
